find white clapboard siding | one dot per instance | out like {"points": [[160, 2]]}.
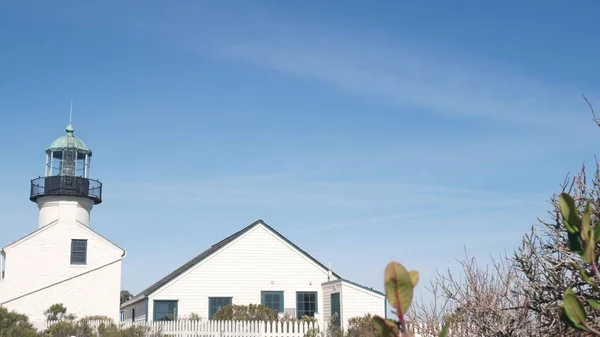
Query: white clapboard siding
{"points": [[257, 261]]}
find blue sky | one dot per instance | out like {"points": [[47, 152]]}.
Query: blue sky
{"points": [[364, 133]]}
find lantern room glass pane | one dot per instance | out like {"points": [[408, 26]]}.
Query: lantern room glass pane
{"points": [[68, 162]]}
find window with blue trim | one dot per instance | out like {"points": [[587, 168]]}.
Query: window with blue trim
{"points": [[165, 310], [78, 251], [216, 303], [306, 304], [272, 300]]}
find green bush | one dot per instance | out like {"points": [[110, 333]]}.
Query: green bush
{"points": [[113, 330], [58, 312], [68, 329], [13, 324], [252, 312], [361, 327], [81, 328]]}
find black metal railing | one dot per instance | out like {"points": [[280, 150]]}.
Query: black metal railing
{"points": [[67, 186]]}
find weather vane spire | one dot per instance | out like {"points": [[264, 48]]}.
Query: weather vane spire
{"points": [[71, 112]]}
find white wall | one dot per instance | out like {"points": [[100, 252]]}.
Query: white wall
{"points": [[43, 259], [257, 261], [68, 209], [356, 301], [328, 289]]}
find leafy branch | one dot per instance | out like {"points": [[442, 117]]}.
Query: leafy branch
{"points": [[582, 239], [399, 286]]}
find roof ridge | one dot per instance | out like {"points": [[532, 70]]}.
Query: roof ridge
{"points": [[190, 263], [213, 249]]}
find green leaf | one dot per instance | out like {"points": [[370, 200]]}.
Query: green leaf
{"points": [[588, 254], [398, 287], [414, 277], [445, 330], [565, 318], [575, 243], [584, 275], [593, 303], [585, 223], [386, 327], [597, 231], [574, 309], [569, 212]]}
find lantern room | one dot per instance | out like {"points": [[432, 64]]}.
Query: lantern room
{"points": [[67, 170], [68, 156]]}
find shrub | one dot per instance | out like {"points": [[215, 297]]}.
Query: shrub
{"points": [[13, 324], [112, 330], [97, 318], [361, 327], [57, 312], [68, 329], [252, 312]]}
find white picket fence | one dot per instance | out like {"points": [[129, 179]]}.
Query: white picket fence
{"points": [[211, 328]]}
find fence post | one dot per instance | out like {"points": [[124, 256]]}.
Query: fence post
{"points": [[261, 329]]}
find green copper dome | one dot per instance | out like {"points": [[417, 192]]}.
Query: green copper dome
{"points": [[69, 140]]}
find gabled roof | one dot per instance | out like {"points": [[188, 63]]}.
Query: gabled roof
{"points": [[343, 280], [42, 229], [213, 249]]}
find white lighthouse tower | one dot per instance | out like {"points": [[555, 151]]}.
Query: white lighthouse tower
{"points": [[63, 260]]}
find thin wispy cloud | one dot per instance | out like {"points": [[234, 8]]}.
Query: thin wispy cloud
{"points": [[413, 75], [349, 204]]}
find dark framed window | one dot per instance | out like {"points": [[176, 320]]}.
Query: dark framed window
{"points": [[216, 303], [2, 266], [78, 251], [272, 300], [165, 310], [335, 308], [306, 304]]}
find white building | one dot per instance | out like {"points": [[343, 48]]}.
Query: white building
{"points": [[64, 260], [256, 265]]}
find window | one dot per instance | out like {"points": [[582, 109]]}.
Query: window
{"points": [[2, 266], [165, 310], [78, 251], [216, 303], [306, 304], [272, 300], [335, 308]]}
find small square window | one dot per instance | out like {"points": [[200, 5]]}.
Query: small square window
{"points": [[306, 304], [216, 303], [272, 300], [78, 251], [165, 310]]}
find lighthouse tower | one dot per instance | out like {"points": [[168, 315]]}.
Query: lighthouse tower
{"points": [[63, 260], [66, 190]]}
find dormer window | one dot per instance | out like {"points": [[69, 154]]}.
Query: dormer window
{"points": [[78, 251]]}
